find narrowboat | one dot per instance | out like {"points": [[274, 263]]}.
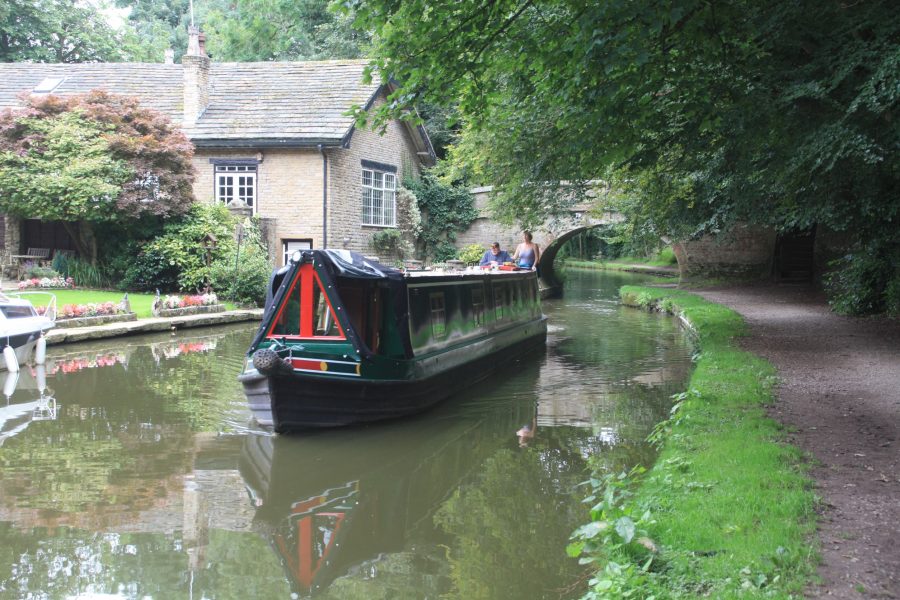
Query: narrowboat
{"points": [[347, 340]]}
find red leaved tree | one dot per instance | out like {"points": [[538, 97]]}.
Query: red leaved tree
{"points": [[89, 159]]}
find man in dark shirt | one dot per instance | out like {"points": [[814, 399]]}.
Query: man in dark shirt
{"points": [[495, 255]]}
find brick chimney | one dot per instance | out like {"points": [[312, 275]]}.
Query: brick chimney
{"points": [[196, 77]]}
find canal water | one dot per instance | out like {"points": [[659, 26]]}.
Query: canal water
{"points": [[129, 469]]}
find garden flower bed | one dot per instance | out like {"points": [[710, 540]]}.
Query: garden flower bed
{"points": [[93, 313], [47, 283], [197, 304]]}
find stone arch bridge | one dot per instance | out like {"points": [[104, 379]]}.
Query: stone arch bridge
{"points": [[550, 236]]}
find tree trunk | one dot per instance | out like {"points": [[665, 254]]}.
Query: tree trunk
{"points": [[82, 233]]}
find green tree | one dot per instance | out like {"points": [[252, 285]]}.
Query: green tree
{"points": [[93, 158], [775, 114], [250, 30], [256, 30], [161, 24], [62, 31]]}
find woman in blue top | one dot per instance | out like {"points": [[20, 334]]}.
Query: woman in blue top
{"points": [[527, 254]]}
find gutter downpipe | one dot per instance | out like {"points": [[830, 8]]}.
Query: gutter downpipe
{"points": [[324, 195]]}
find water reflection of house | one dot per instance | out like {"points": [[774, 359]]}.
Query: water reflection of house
{"points": [[208, 494]]}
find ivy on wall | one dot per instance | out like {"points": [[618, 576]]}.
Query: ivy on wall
{"points": [[445, 210]]}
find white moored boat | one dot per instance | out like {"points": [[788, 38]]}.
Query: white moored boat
{"points": [[22, 328]]}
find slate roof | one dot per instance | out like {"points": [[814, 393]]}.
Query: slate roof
{"points": [[267, 103]]}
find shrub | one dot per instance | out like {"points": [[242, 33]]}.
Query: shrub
{"points": [[471, 254], [176, 260], [86, 274], [60, 264], [667, 256], [865, 281], [247, 284], [36, 271], [387, 241], [243, 278], [442, 251]]}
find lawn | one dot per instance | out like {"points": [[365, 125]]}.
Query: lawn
{"points": [[140, 303]]}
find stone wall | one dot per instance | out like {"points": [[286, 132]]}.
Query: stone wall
{"points": [[484, 230], [395, 148], [289, 187], [288, 195], [746, 252]]}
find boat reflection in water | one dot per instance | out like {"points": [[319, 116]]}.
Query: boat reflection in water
{"points": [[353, 501], [16, 416]]}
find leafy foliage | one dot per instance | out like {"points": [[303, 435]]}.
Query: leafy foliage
{"points": [[706, 114], [96, 157], [471, 253], [241, 274], [62, 31], [92, 158], [161, 24], [445, 210], [250, 30], [176, 259]]}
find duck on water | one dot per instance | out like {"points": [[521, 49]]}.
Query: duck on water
{"points": [[348, 340]]}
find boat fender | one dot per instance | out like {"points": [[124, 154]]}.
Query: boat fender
{"points": [[266, 361], [9, 385], [40, 351], [9, 356]]}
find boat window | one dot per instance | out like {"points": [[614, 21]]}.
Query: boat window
{"points": [[306, 311], [326, 324], [499, 298], [478, 305], [17, 312], [438, 315]]}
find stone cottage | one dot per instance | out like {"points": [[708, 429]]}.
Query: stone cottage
{"points": [[272, 139]]}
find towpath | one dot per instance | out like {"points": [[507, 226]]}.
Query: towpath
{"points": [[839, 397]]}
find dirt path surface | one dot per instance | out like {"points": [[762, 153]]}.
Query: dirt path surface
{"points": [[840, 398]]}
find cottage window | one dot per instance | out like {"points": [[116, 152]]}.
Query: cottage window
{"points": [[236, 185], [379, 196]]}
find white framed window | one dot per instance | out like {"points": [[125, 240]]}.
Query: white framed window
{"points": [[236, 184], [288, 247], [379, 198]]}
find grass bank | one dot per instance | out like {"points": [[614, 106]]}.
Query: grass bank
{"points": [[727, 511]]}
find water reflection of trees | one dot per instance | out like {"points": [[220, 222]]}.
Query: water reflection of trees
{"points": [[119, 443], [70, 563]]}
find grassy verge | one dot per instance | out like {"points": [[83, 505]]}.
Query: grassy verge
{"points": [[140, 303], [727, 510]]}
